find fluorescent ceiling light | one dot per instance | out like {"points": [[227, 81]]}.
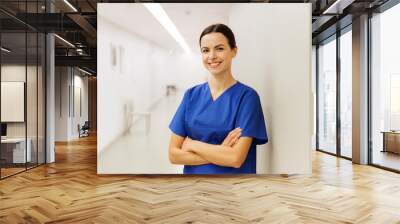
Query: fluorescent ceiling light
{"points": [[5, 49], [84, 71], [162, 17], [64, 40], [70, 5]]}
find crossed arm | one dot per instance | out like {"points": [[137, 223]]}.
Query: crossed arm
{"points": [[232, 152]]}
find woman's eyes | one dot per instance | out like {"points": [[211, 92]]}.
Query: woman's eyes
{"points": [[218, 49]]}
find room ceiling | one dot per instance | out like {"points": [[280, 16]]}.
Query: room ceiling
{"points": [[80, 27]]}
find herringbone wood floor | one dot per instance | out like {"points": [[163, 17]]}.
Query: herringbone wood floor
{"points": [[70, 191]]}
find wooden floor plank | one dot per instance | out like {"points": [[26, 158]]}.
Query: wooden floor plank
{"points": [[70, 191]]}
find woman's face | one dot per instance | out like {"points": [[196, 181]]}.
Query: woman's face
{"points": [[216, 53]]}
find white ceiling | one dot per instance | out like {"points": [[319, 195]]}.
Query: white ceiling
{"points": [[190, 19]]}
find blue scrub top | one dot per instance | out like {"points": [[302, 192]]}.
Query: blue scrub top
{"points": [[201, 118]]}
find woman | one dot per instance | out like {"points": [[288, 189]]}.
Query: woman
{"points": [[219, 123]]}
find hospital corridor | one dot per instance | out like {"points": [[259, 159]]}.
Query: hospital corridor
{"points": [[143, 148]]}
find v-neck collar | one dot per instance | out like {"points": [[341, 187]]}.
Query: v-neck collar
{"points": [[226, 90]]}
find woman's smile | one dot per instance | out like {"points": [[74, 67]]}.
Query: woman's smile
{"points": [[214, 64]]}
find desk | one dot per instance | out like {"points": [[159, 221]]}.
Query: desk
{"points": [[17, 150], [391, 141]]}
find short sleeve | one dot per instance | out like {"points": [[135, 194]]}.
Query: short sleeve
{"points": [[177, 124], [250, 118]]}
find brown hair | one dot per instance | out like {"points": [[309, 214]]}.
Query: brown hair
{"points": [[220, 28]]}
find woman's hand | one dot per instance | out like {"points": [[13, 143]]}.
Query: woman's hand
{"points": [[232, 137], [188, 144]]}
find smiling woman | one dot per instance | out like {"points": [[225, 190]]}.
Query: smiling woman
{"points": [[219, 123]]}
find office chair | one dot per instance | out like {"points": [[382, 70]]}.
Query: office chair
{"points": [[84, 130]]}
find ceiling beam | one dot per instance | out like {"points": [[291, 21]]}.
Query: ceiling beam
{"points": [[83, 61], [84, 24], [337, 7]]}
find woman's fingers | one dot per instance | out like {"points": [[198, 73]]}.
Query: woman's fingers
{"points": [[235, 134], [235, 131], [232, 137], [229, 137]]}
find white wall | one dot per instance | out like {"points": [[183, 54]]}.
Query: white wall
{"points": [[61, 103], [189, 70], [67, 79], [274, 57]]}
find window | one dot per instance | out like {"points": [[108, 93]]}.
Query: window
{"points": [[327, 96], [385, 89], [346, 93]]}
